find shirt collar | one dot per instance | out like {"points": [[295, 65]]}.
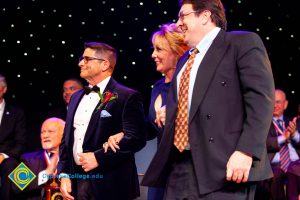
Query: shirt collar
{"points": [[102, 85], [204, 44]]}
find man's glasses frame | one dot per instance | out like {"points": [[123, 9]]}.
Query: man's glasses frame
{"points": [[86, 59], [181, 15]]}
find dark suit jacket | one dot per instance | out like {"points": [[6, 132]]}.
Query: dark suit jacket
{"points": [[231, 110], [12, 131], [36, 163], [120, 179], [272, 141]]}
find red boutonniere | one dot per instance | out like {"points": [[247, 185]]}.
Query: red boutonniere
{"points": [[106, 97]]}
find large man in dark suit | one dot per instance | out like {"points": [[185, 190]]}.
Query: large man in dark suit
{"points": [[230, 104], [12, 140], [93, 117]]}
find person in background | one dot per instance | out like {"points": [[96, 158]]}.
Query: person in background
{"points": [[168, 47], [43, 163], [283, 145], [70, 86], [12, 140], [104, 109], [218, 112]]}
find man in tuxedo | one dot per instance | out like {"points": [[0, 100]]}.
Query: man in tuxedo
{"points": [[94, 114], [283, 137], [12, 140], [43, 163], [70, 86], [219, 110]]}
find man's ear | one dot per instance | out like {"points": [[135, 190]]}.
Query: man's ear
{"points": [[5, 89], [106, 65]]}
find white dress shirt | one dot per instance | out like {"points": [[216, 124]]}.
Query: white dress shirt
{"points": [[82, 117]]}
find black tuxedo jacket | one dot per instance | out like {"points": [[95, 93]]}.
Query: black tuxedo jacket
{"points": [[272, 141], [12, 131], [231, 110], [120, 179]]}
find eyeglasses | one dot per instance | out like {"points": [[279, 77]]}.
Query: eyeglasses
{"points": [[182, 15], [86, 59]]}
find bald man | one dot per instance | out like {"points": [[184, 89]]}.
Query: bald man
{"points": [[44, 163]]}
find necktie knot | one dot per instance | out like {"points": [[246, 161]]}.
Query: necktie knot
{"points": [[88, 90], [280, 124]]}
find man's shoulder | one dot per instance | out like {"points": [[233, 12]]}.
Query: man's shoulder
{"points": [[32, 155]]}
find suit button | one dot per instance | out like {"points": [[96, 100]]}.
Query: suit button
{"points": [[211, 140], [224, 83], [208, 117]]}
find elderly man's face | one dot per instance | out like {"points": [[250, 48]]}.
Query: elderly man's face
{"points": [[51, 135]]}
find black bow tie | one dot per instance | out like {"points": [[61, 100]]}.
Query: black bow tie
{"points": [[88, 90]]}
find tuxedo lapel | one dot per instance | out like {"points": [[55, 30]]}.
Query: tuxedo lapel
{"points": [[207, 70], [94, 121]]}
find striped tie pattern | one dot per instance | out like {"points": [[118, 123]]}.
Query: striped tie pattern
{"points": [[284, 151], [181, 138]]}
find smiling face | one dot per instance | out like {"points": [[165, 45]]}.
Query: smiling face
{"points": [[280, 103], [164, 58], [51, 134]]}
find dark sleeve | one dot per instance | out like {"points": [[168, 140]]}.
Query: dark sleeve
{"points": [[257, 87], [19, 139], [133, 123]]}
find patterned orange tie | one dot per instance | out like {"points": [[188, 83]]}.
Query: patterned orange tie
{"points": [[181, 137]]}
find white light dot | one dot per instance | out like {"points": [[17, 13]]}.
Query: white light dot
{"points": [[257, 29], [71, 55], [128, 6], [63, 42], [140, 50], [18, 42], [82, 23], [158, 1], [42, 11], [44, 26], [114, 34], [141, 3], [112, 9], [150, 13], [3, 9], [145, 29], [293, 92], [59, 25], [29, 21], [52, 56], [12, 25], [136, 19], [121, 21], [90, 9], [133, 63], [250, 13], [280, 29], [269, 18], [54, 11], [43, 91], [125, 77], [151, 86], [292, 36], [69, 15], [34, 69], [102, 23], [18, 75], [30, 83], [289, 74], [8, 61], [46, 72], [267, 38], [3, 40], [130, 38], [121, 50], [18, 8], [38, 48], [25, 54], [165, 12], [103, 2], [30, 35], [240, 24]]}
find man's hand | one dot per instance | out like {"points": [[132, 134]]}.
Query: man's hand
{"points": [[161, 116], [292, 127], [51, 168], [238, 167], [65, 188], [113, 142], [1, 158], [88, 161]]}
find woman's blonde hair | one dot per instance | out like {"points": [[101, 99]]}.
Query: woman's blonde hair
{"points": [[175, 38]]}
